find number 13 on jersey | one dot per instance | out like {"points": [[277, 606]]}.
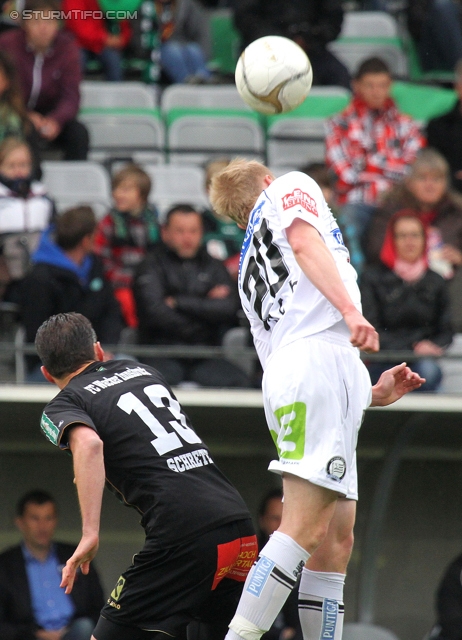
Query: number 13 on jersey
{"points": [[164, 441]]}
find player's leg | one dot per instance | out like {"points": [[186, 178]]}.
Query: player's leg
{"points": [[307, 511], [321, 585]]}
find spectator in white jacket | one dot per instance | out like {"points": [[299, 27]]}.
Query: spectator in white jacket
{"points": [[25, 211]]}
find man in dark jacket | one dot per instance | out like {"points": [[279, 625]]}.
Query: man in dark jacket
{"points": [[186, 297], [32, 604], [311, 23], [67, 276], [48, 64], [444, 133]]}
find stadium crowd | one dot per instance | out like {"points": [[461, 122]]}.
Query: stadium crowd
{"points": [[167, 278]]}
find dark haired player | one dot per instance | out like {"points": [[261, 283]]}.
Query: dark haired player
{"points": [[126, 429]]}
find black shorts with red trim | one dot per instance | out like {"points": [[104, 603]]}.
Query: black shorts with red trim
{"points": [[164, 590]]}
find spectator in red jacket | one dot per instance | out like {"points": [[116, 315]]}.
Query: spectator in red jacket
{"points": [[99, 38], [48, 65], [370, 146]]}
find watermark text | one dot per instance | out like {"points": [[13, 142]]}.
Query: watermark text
{"points": [[73, 14]]}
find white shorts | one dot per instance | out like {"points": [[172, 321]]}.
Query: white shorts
{"points": [[315, 391]]}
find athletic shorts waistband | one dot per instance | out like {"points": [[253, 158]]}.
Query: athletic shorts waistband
{"points": [[334, 336]]}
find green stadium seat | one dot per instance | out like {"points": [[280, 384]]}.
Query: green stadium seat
{"points": [[422, 102], [225, 40]]}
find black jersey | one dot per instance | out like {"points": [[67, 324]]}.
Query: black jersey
{"points": [[153, 458]]}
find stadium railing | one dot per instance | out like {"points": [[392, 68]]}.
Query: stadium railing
{"points": [[18, 348]]}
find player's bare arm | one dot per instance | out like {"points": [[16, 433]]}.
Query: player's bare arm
{"points": [[317, 263], [87, 453], [393, 384]]}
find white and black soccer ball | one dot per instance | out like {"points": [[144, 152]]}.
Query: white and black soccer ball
{"points": [[273, 75]]}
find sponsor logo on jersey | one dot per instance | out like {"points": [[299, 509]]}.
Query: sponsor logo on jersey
{"points": [[115, 595], [338, 236], [235, 559], [260, 575], [336, 468], [329, 619], [49, 428], [190, 460], [301, 199]]}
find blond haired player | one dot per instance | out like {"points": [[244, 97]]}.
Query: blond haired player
{"points": [[299, 292]]}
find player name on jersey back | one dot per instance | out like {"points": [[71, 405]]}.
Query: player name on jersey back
{"points": [[98, 385]]}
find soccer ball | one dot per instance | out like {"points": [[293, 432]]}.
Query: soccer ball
{"points": [[273, 75]]}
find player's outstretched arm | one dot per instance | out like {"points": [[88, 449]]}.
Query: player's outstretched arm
{"points": [[317, 263], [87, 453], [393, 384]]}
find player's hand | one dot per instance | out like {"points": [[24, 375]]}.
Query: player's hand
{"points": [[82, 556], [363, 335], [393, 384]]}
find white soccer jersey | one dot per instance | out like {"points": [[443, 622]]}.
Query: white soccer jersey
{"points": [[280, 302]]}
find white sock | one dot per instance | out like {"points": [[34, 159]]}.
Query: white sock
{"points": [[267, 587], [320, 605]]}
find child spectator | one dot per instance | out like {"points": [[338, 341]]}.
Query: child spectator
{"points": [[25, 211], [126, 233], [222, 237]]}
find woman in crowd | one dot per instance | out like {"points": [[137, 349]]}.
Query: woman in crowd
{"points": [[427, 191], [407, 302]]}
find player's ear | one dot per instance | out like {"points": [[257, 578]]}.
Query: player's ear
{"points": [[99, 353], [268, 179], [47, 375]]}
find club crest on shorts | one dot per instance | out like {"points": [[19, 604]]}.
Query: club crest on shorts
{"points": [[336, 468]]}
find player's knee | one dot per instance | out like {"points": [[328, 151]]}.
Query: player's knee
{"points": [[345, 545], [310, 538], [246, 629]]}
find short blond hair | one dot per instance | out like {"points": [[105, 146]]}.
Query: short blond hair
{"points": [[234, 191]]}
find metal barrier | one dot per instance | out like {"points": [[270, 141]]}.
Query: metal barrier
{"points": [[18, 349]]}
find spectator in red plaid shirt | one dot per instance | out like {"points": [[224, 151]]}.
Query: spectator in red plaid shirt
{"points": [[126, 233], [370, 146]]}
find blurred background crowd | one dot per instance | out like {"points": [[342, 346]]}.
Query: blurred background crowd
{"points": [[141, 96], [114, 117]]}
